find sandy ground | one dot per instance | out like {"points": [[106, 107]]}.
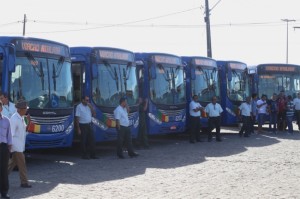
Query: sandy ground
{"points": [[262, 166]]}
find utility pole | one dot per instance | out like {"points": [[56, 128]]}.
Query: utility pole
{"points": [[287, 37], [24, 24], [208, 35]]}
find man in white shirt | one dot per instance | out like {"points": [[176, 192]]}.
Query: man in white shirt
{"points": [[297, 109], [83, 123], [261, 112], [18, 130], [246, 113], [214, 111], [8, 107], [123, 129], [195, 123]]}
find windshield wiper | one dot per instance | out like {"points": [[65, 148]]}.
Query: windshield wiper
{"points": [[116, 78], [38, 70], [56, 70], [125, 79]]}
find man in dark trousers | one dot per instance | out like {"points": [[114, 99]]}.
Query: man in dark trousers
{"points": [[195, 122], [123, 129], [214, 111], [83, 120], [5, 147], [142, 135]]}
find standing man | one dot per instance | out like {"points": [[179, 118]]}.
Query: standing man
{"points": [[8, 107], [297, 109], [261, 112], [83, 120], [18, 130], [254, 112], [290, 109], [273, 111], [246, 113], [123, 129], [5, 147], [142, 135], [214, 111], [195, 123], [281, 120]]}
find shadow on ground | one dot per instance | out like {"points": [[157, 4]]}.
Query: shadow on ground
{"points": [[49, 168]]}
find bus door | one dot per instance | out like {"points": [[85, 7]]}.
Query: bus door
{"points": [[1, 71], [78, 75]]}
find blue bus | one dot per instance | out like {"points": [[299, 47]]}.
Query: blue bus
{"points": [[201, 80], [39, 71], [162, 81], [274, 77], [105, 75], [234, 86]]}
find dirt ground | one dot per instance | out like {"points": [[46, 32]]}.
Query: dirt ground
{"points": [[261, 166]]}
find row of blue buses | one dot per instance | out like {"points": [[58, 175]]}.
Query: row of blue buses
{"points": [[53, 77]]}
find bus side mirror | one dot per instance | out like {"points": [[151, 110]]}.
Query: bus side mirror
{"points": [[152, 72], [94, 71], [193, 73], [11, 58], [229, 74]]}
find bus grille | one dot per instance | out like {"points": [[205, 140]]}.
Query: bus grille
{"points": [[45, 143], [171, 113], [48, 120], [112, 117]]}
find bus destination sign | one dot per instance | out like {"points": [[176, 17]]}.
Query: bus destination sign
{"points": [[167, 59], [116, 54], [42, 47], [280, 68], [205, 62], [239, 66]]}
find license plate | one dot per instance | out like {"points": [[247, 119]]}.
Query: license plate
{"points": [[173, 127]]}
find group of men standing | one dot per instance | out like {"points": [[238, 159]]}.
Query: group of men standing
{"points": [[83, 122], [12, 141], [279, 110], [213, 111]]}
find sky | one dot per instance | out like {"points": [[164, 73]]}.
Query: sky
{"points": [[250, 31]]}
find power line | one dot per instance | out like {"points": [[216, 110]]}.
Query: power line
{"points": [[122, 24]]}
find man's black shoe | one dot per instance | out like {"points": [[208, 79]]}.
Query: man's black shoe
{"points": [[121, 156], [246, 135], [5, 196], [219, 140], [192, 141], [26, 185], [94, 157], [134, 155]]}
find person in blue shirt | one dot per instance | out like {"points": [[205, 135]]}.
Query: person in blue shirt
{"points": [[5, 147]]}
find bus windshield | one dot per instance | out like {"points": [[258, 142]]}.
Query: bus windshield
{"points": [[205, 83], [274, 83], [238, 88], [43, 82], [168, 87], [114, 81]]}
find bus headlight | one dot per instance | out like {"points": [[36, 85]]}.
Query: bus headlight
{"points": [[184, 118], [154, 118], [70, 128], [99, 123], [136, 124]]}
